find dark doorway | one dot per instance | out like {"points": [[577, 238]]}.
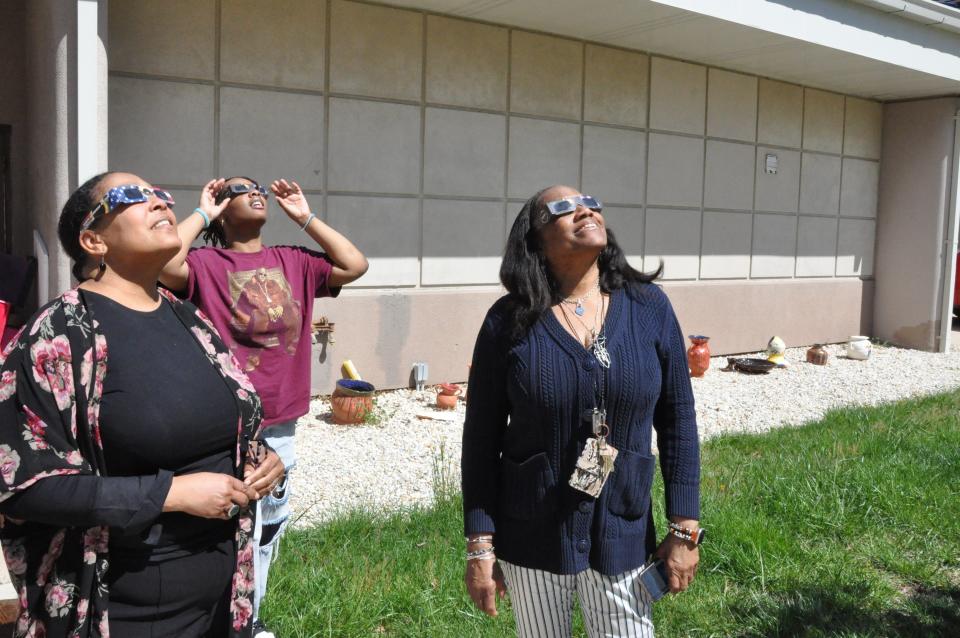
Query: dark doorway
{"points": [[6, 214]]}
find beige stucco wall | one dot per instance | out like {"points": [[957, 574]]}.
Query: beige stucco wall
{"points": [[918, 151], [383, 333], [419, 136]]}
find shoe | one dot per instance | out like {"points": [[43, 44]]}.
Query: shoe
{"points": [[260, 630]]}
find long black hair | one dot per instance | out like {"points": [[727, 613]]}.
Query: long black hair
{"points": [[214, 233], [80, 203], [526, 276]]}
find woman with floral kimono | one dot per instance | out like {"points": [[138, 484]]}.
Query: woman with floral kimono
{"points": [[127, 439]]}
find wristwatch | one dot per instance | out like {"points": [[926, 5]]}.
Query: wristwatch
{"points": [[683, 533]]}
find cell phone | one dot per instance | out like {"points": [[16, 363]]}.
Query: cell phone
{"points": [[654, 580]]}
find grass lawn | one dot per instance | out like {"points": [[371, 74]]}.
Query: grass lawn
{"points": [[849, 526]]}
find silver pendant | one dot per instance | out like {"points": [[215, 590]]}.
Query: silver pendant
{"points": [[600, 350], [579, 309]]}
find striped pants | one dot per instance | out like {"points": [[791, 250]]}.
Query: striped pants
{"points": [[613, 606]]}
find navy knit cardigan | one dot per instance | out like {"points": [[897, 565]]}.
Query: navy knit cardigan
{"points": [[528, 418]]}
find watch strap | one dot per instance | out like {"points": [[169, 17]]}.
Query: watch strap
{"points": [[685, 533]]}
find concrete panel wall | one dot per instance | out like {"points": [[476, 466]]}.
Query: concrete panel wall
{"points": [[915, 184], [421, 135]]}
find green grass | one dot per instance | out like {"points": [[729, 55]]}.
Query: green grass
{"points": [[849, 526]]}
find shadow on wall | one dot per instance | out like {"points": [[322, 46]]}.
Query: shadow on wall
{"points": [[924, 611]]}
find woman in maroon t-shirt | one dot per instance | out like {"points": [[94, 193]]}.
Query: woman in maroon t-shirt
{"points": [[260, 299]]}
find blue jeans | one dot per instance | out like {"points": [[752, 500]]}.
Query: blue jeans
{"points": [[273, 510]]}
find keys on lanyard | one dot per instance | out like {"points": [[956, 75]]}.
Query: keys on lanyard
{"points": [[607, 452]]}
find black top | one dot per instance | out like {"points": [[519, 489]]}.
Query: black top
{"points": [[165, 411]]}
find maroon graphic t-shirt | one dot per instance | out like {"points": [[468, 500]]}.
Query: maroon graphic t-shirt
{"points": [[262, 305]]}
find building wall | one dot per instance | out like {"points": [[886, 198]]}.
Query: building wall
{"points": [[918, 154], [419, 136]]}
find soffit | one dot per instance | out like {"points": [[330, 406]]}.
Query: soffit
{"points": [[655, 27]]}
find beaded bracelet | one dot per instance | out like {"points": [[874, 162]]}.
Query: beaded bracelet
{"points": [[206, 220]]}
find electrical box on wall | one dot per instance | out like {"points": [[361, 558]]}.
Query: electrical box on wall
{"points": [[771, 165]]}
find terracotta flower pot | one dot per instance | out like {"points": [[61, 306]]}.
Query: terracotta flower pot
{"points": [[698, 356], [447, 395], [352, 401]]}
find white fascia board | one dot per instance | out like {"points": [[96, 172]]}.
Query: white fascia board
{"points": [[845, 26]]}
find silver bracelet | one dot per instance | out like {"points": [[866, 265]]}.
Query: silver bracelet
{"points": [[481, 554], [480, 539], [307, 223]]}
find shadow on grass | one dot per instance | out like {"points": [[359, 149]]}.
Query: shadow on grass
{"points": [[927, 612]]}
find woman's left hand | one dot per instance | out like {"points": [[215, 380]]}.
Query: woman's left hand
{"points": [[292, 200], [265, 476], [680, 558]]}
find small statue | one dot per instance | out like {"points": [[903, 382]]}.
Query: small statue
{"points": [[775, 349]]}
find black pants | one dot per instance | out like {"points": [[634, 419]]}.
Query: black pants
{"points": [[183, 597]]}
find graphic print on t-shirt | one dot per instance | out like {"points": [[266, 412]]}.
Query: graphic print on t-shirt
{"points": [[265, 313]]}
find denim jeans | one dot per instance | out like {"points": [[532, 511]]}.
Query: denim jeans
{"points": [[273, 510]]}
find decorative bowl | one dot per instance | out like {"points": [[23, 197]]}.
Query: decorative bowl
{"points": [[751, 366]]}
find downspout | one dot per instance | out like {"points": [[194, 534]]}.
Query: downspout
{"points": [[950, 245]]}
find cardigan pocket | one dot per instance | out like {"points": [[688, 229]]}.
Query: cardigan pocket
{"points": [[525, 487], [630, 484]]}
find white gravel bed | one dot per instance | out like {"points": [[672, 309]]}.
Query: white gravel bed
{"points": [[392, 465]]}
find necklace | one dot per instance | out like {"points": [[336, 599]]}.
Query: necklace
{"points": [[598, 340], [578, 301]]}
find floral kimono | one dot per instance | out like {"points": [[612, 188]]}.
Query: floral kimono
{"points": [[51, 382]]}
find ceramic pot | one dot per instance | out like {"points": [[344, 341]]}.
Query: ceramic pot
{"points": [[817, 355], [447, 395], [698, 356], [859, 347], [351, 401]]}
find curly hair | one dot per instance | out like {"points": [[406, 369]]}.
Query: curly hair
{"points": [[214, 233], [532, 289], [80, 203]]}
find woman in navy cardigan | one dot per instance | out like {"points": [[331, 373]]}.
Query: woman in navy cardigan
{"points": [[574, 368]]}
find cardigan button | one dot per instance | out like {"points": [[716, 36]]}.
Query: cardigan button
{"points": [[582, 546], [588, 364], [584, 506]]}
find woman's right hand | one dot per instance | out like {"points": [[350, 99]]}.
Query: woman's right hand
{"points": [[207, 494], [484, 580], [208, 199]]}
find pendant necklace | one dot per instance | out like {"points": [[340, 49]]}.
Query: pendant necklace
{"points": [[578, 301], [598, 340]]}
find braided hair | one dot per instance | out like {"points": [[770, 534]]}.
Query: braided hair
{"points": [[214, 234], [80, 203]]}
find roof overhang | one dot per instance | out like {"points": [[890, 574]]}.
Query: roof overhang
{"points": [[880, 49]]}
